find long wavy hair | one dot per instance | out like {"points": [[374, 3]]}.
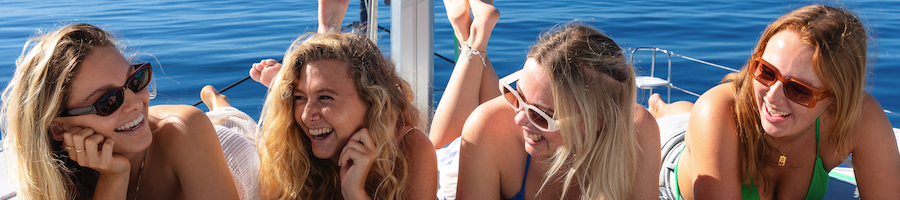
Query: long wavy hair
{"points": [[840, 42], [37, 93], [593, 94], [288, 169]]}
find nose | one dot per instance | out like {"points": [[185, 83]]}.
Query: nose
{"points": [[132, 102], [775, 92], [521, 117], [310, 112]]}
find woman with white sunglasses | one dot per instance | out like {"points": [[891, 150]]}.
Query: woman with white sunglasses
{"points": [[567, 128]]}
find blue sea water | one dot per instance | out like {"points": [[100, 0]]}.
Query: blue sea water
{"points": [[197, 43]]}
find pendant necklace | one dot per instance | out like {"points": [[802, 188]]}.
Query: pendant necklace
{"points": [[783, 158]]}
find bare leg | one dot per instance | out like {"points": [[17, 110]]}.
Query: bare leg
{"points": [[659, 108], [212, 98], [473, 70], [458, 13], [331, 14], [485, 17]]}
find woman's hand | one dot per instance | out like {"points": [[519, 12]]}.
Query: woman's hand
{"points": [[264, 71], [356, 159], [84, 147]]}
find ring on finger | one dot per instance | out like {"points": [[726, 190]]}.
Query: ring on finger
{"points": [[69, 148], [79, 150]]}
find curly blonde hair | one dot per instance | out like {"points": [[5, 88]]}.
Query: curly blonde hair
{"points": [[288, 170]]}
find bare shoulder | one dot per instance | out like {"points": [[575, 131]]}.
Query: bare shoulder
{"points": [[874, 150], [488, 120], [181, 127], [178, 117], [188, 140], [422, 165], [645, 125], [715, 99], [492, 153], [415, 140], [711, 157], [647, 134]]}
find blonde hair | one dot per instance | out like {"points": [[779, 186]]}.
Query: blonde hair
{"points": [[36, 95], [288, 170], [593, 95], [840, 43]]}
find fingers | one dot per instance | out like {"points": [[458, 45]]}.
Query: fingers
{"points": [[358, 147], [363, 137]]}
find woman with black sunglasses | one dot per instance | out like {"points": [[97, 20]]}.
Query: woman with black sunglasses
{"points": [[78, 126], [794, 112]]}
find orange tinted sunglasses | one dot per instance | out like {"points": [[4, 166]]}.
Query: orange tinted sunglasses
{"points": [[796, 90]]}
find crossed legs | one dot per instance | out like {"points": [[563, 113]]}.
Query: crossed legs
{"points": [[473, 69]]}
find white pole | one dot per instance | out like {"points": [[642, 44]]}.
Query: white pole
{"points": [[412, 48], [372, 30]]}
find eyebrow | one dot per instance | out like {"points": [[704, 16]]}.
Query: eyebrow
{"points": [[318, 90], [107, 88]]}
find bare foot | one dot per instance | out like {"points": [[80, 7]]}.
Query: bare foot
{"points": [[212, 98], [654, 103], [460, 20]]}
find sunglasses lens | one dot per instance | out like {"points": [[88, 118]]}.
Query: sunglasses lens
{"points": [[139, 80], [797, 92], [764, 73], [110, 102], [537, 119], [511, 97]]}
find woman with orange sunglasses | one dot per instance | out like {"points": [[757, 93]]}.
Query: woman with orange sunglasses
{"points": [[794, 112]]}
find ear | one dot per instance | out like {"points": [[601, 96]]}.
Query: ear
{"points": [[56, 130]]}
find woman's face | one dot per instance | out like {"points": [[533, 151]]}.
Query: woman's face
{"points": [[780, 115], [103, 70], [534, 88], [327, 107]]}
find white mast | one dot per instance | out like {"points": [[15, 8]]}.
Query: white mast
{"points": [[412, 48]]}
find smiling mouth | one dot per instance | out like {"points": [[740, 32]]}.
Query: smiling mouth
{"points": [[777, 113], [320, 133], [132, 125], [534, 137]]}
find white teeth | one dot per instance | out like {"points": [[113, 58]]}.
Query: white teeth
{"points": [[534, 137], [317, 132], [772, 111], [131, 124]]}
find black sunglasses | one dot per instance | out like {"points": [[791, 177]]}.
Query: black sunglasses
{"points": [[112, 100]]}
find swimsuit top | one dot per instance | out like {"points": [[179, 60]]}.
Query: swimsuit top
{"points": [[817, 186], [521, 194]]}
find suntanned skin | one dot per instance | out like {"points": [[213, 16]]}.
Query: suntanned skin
{"points": [[493, 156], [710, 166], [183, 156]]}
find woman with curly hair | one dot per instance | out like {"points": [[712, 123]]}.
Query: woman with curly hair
{"points": [[339, 123]]}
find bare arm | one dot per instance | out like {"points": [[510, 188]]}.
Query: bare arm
{"points": [[647, 180], [199, 162], [422, 166], [875, 159], [713, 147]]}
